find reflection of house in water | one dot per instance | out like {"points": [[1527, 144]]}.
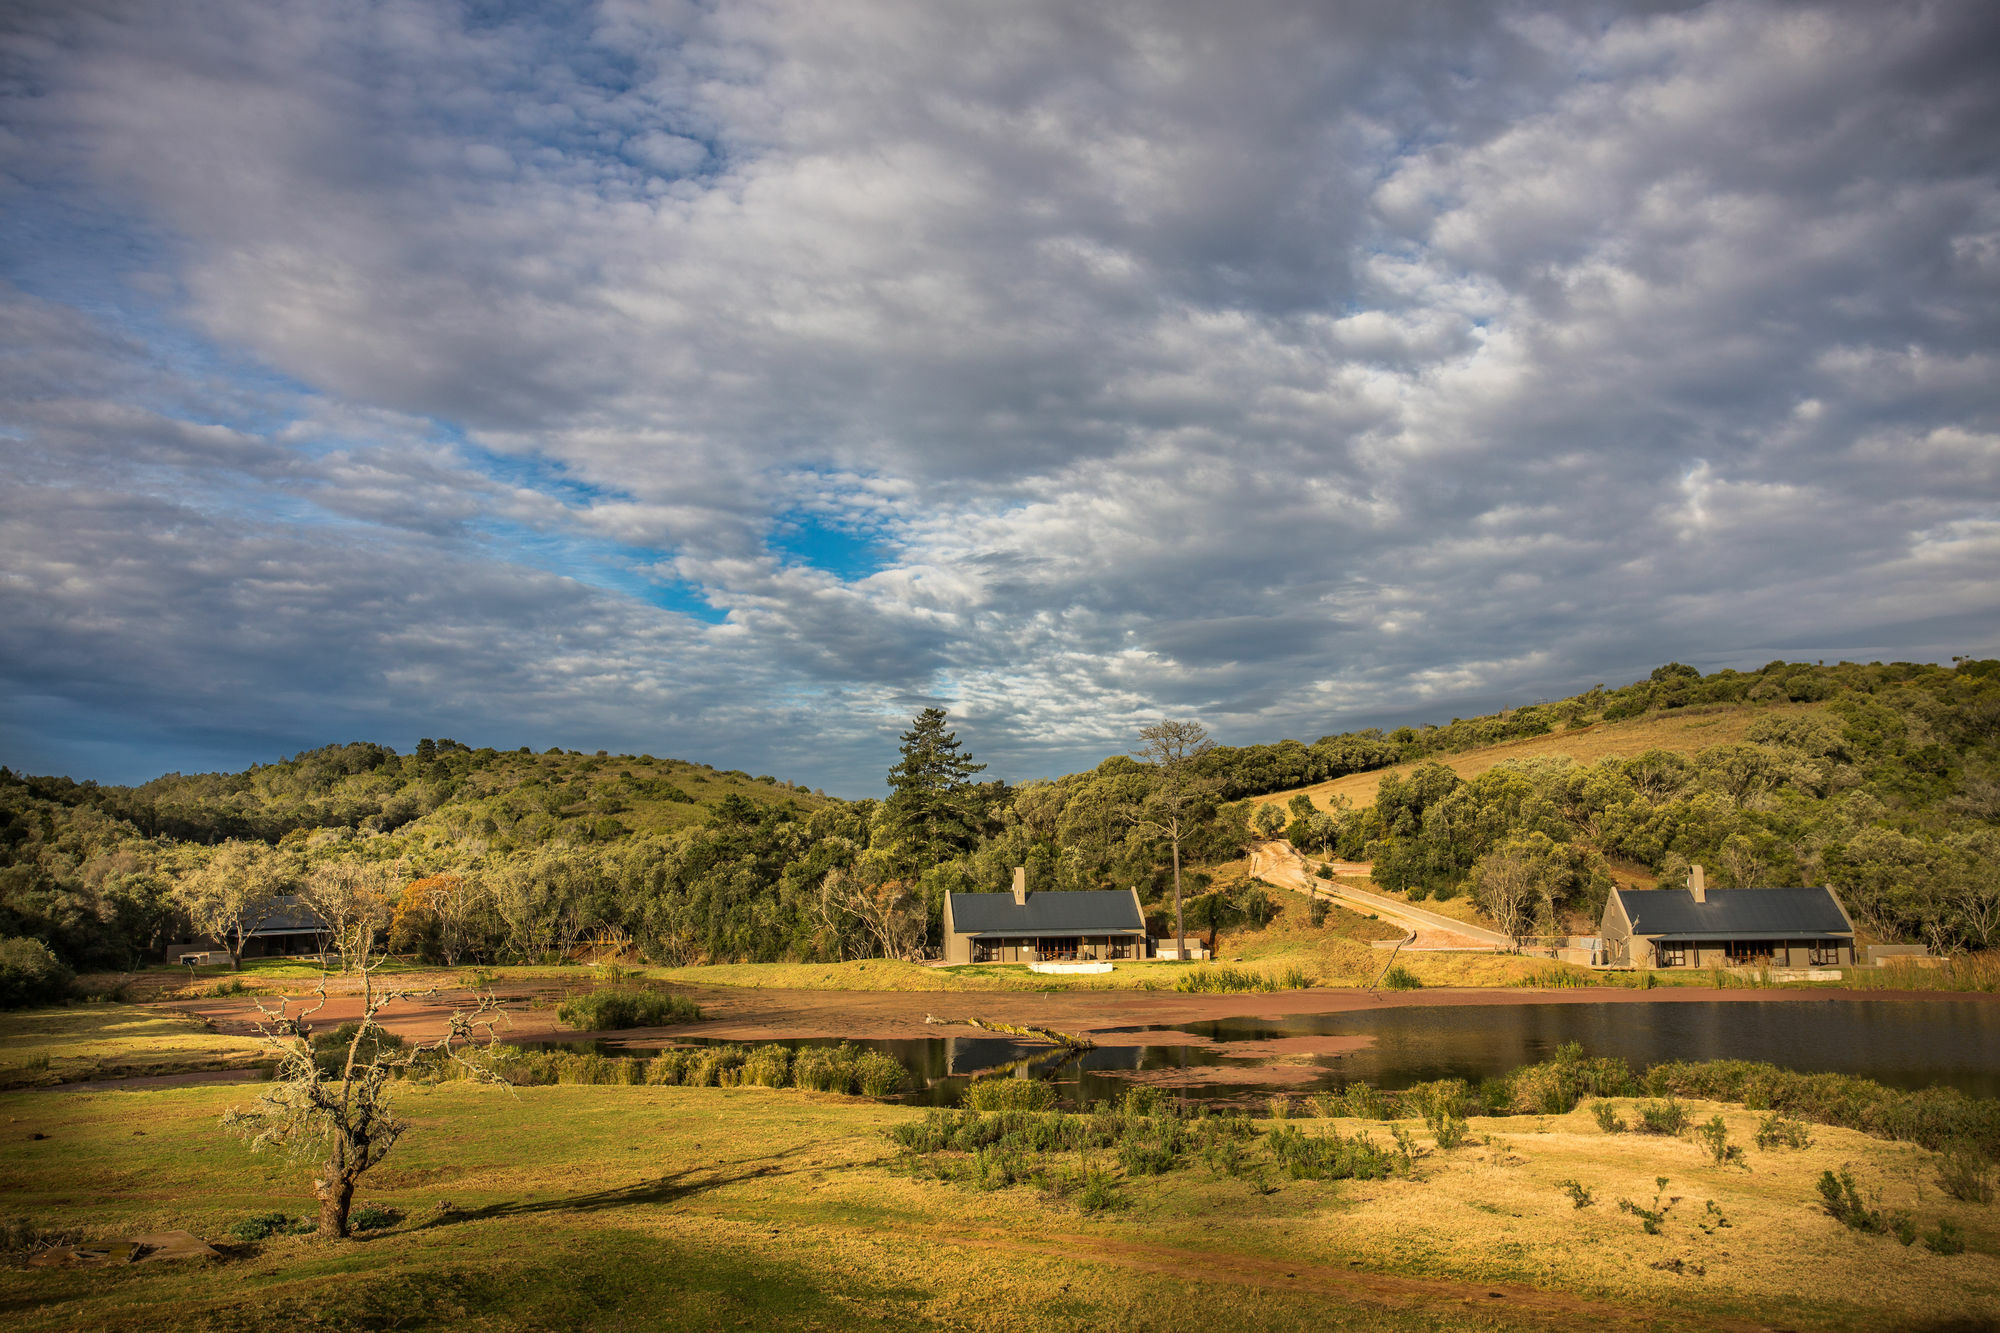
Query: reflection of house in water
{"points": [[1023, 927], [1702, 927]]}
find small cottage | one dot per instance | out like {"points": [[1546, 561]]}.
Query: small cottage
{"points": [[1022, 927], [287, 929], [1702, 927]]}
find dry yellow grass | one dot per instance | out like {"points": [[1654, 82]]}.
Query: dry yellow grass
{"points": [[1682, 732]]}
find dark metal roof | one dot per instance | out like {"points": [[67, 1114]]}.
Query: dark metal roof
{"points": [[1085, 912], [1734, 914], [290, 916]]}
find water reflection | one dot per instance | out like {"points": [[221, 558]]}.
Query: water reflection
{"points": [[1905, 1044]]}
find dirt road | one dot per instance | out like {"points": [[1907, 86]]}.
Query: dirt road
{"points": [[1279, 863]]}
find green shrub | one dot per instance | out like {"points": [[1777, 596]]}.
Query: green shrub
{"points": [[1554, 1087], [611, 1010], [373, 1217], [1579, 1195], [824, 1068], [1098, 1196], [1331, 1156], [1010, 1094], [1774, 1131], [1607, 1117], [264, 1225], [1653, 1216], [1222, 981], [1714, 1136], [716, 1067], [1843, 1202], [669, 1068], [31, 973], [1399, 977], [1364, 1103], [1964, 1173], [230, 986], [879, 1075], [1931, 1117], [330, 1048], [1947, 1239], [767, 1067], [1667, 1117]]}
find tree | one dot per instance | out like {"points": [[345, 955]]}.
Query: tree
{"points": [[929, 810], [233, 892], [886, 909], [350, 896], [1269, 821], [347, 1110], [1507, 885], [1180, 798]]}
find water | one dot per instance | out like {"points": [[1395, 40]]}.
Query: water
{"points": [[1902, 1043]]}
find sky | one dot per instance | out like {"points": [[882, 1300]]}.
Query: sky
{"points": [[731, 380]]}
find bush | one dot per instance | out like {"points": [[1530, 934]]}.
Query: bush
{"points": [[824, 1068], [1399, 977], [1317, 912], [373, 1217], [1931, 1117], [1554, 1087], [1010, 1094], [1333, 1157], [879, 1075], [1666, 1117], [767, 1067], [330, 1048], [610, 1010], [1225, 980], [1607, 1117], [1714, 1136], [1843, 1203], [1579, 1195], [1947, 1239], [31, 973], [1774, 1131], [1964, 1173], [264, 1225]]}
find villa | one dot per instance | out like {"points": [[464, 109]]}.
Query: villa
{"points": [[1093, 925], [1702, 927]]}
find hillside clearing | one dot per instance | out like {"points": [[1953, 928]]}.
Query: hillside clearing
{"points": [[1684, 731]]}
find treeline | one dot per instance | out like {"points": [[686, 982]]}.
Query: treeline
{"points": [[1889, 789], [1890, 792]]}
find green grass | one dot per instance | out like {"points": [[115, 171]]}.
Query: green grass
{"points": [[87, 1041], [666, 1207]]}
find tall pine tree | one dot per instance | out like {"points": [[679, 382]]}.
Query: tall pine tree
{"points": [[930, 809]]}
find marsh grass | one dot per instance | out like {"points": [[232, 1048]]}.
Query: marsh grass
{"points": [[613, 1009]]}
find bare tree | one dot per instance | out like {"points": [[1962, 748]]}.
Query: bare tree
{"points": [[886, 909], [1507, 884], [1180, 799], [233, 892], [348, 1113], [351, 897]]}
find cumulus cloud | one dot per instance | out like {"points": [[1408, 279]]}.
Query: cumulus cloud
{"points": [[727, 380]]}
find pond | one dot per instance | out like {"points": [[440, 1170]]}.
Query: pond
{"points": [[1902, 1043]]}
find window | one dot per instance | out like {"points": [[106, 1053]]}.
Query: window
{"points": [[1059, 950], [1825, 953], [985, 951], [1118, 946], [1748, 952], [1672, 955]]}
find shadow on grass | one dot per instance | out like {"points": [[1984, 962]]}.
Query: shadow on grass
{"points": [[667, 1189]]}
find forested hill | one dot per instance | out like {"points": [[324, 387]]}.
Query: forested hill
{"points": [[1889, 787], [512, 798]]}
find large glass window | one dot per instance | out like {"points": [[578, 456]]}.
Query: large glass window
{"points": [[1061, 949], [985, 951], [1825, 953], [1118, 946], [1672, 955]]}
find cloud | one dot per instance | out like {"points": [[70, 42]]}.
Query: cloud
{"points": [[1289, 367]]}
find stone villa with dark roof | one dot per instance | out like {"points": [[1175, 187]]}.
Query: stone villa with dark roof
{"points": [[1091, 925], [1702, 927]]}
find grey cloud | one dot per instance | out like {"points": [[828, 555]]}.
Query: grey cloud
{"points": [[1291, 364]]}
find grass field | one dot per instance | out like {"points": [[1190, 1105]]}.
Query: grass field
{"points": [[698, 1208], [40, 1046], [1684, 731]]}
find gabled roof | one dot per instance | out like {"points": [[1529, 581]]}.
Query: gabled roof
{"points": [[289, 915], [1736, 914], [1084, 912]]}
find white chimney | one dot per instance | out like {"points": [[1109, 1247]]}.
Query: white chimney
{"points": [[1020, 886], [1697, 885]]}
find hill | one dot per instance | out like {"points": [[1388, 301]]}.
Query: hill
{"points": [[1685, 732]]}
